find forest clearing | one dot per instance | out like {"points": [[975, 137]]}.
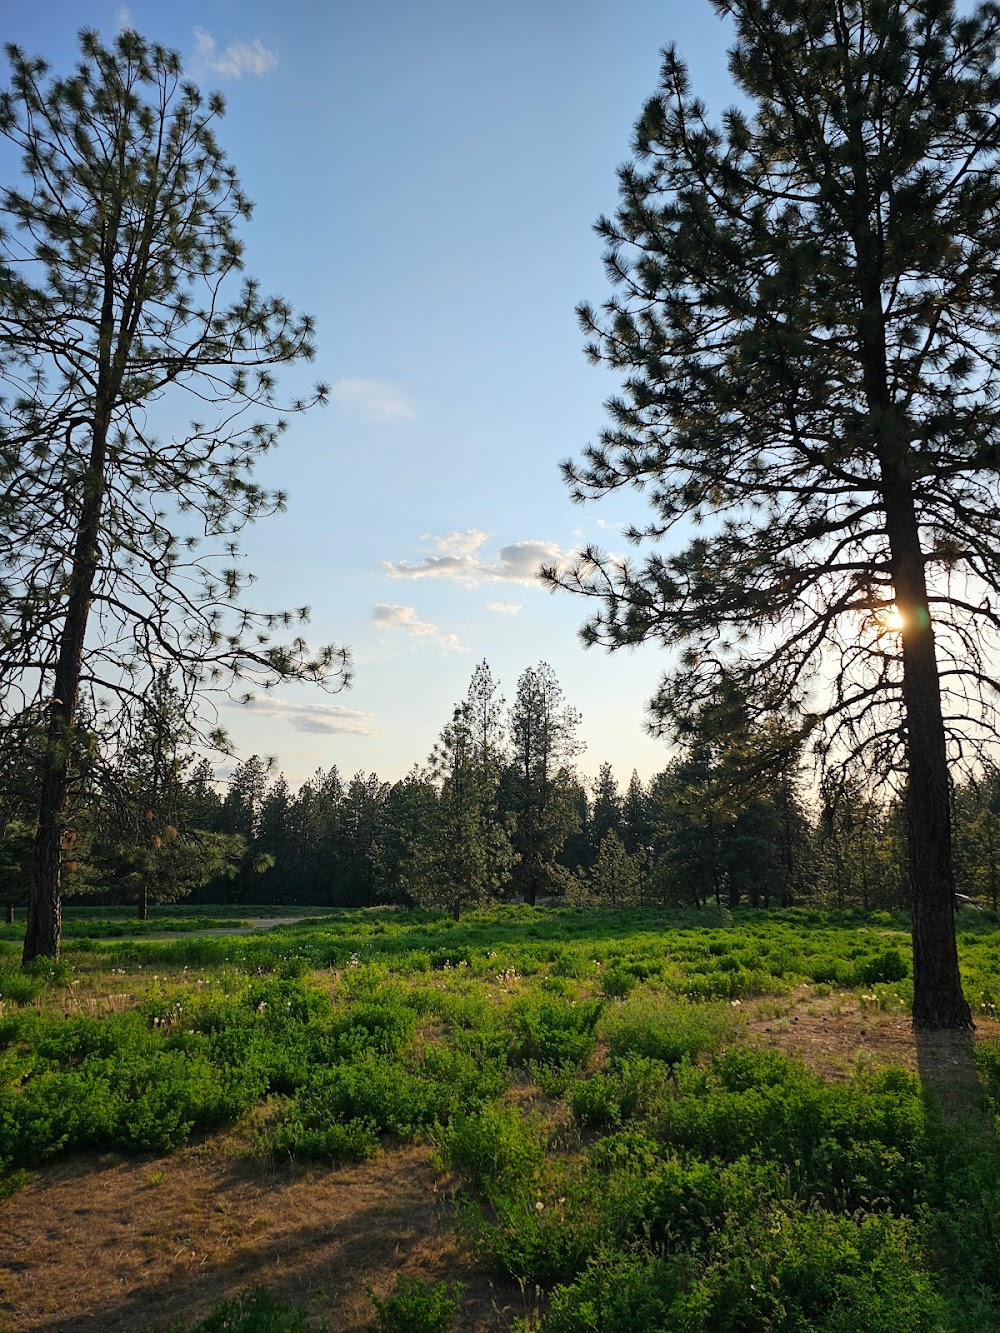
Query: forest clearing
{"points": [[543, 1118], [732, 1062]]}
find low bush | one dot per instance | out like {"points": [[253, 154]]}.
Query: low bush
{"points": [[253, 1311], [551, 1033], [666, 1029], [416, 1306], [493, 1146]]}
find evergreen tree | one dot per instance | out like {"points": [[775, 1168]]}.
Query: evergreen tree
{"points": [[484, 718], [688, 861], [463, 854], [146, 841], [119, 282], [614, 880], [539, 784], [411, 812], [729, 819], [204, 801], [360, 828], [850, 824], [606, 814], [637, 832], [978, 837], [805, 311], [244, 800]]}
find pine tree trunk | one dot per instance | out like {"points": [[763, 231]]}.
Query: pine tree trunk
{"points": [[10, 914], [143, 908], [788, 889], [938, 1001], [44, 928], [44, 906], [456, 911]]}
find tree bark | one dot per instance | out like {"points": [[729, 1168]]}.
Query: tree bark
{"points": [[44, 907], [10, 914], [143, 908], [938, 1001]]}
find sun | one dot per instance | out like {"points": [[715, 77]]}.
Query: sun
{"points": [[891, 618]]}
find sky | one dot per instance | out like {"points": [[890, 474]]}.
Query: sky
{"points": [[425, 179]]}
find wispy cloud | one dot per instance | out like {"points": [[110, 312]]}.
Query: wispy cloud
{"points": [[460, 556], [372, 400], [328, 719], [237, 59], [405, 618], [123, 19], [504, 608]]}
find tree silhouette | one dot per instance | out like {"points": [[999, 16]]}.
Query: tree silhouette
{"points": [[120, 285], [805, 316]]}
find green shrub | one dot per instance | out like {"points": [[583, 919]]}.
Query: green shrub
{"points": [[20, 987], [665, 1029], [492, 1146], [367, 1026], [572, 963], [890, 965], [791, 1270], [617, 1293], [253, 1311], [633, 1086], [540, 1229], [296, 1135], [551, 1032], [617, 982], [416, 1306]]}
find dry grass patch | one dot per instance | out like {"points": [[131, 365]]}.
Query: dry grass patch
{"points": [[98, 1245]]}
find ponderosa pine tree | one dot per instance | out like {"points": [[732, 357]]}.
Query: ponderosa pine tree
{"points": [[540, 790], [120, 281], [463, 855], [806, 313]]}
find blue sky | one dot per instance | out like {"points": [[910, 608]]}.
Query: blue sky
{"points": [[426, 177]]}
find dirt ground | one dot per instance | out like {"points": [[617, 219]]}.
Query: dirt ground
{"points": [[100, 1245], [94, 1245]]}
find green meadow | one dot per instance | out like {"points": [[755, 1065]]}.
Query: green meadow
{"points": [[617, 1140]]}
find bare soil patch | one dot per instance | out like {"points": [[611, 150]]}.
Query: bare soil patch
{"points": [[93, 1245], [837, 1035]]}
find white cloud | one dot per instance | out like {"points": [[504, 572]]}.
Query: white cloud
{"points": [[321, 718], [504, 608], [237, 59], [405, 618], [123, 19], [373, 401], [459, 556]]}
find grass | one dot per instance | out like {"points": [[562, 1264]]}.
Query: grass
{"points": [[587, 1085]]}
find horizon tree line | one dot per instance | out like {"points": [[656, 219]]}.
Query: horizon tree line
{"points": [[497, 812]]}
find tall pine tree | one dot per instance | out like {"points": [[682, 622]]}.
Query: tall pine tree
{"points": [[805, 315], [120, 285]]}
